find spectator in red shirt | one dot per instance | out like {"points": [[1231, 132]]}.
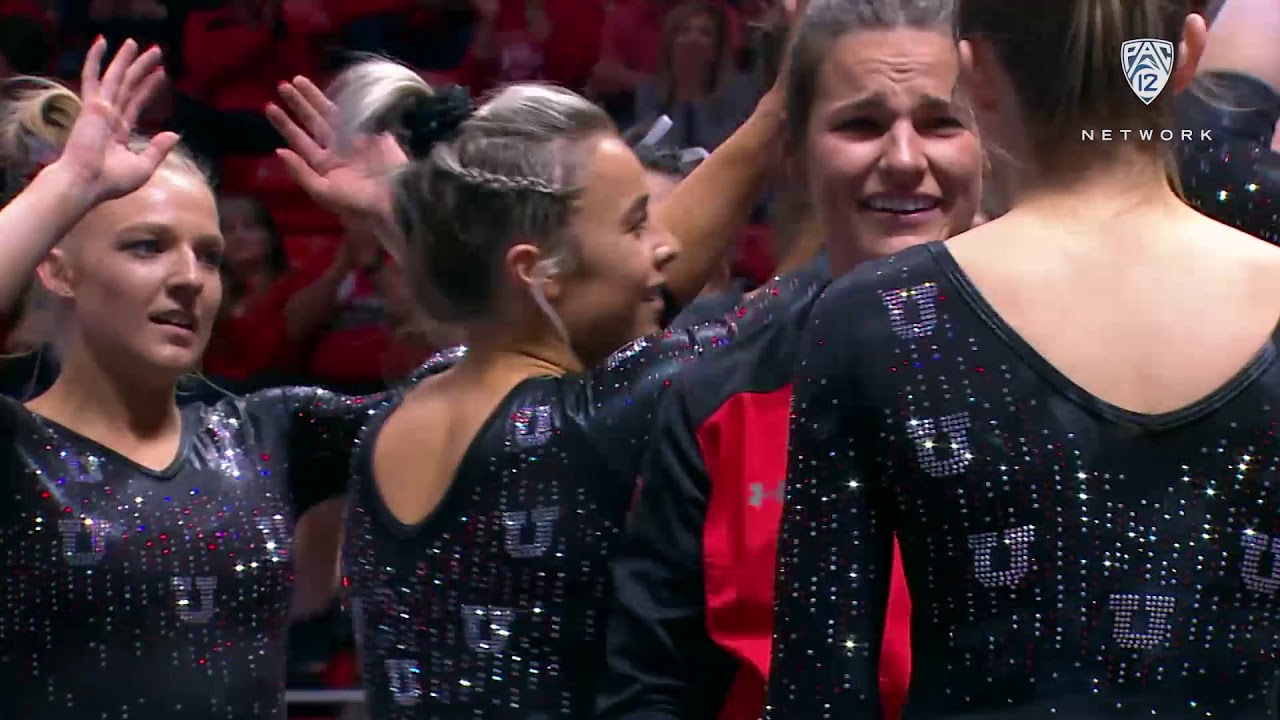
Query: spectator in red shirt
{"points": [[527, 40], [631, 44], [345, 302], [236, 55], [250, 343], [234, 58]]}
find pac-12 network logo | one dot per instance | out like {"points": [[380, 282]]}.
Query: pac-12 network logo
{"points": [[1147, 64]]}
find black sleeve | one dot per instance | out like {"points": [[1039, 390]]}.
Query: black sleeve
{"points": [[707, 308], [835, 548], [626, 389], [318, 430], [1227, 168], [436, 364], [321, 429], [662, 663]]}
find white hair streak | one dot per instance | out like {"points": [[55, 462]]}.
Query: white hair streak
{"points": [[366, 91]]}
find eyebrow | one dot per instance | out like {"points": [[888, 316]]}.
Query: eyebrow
{"points": [[165, 230], [636, 210], [878, 100], [158, 228]]}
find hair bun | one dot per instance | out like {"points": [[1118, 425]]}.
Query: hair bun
{"points": [[430, 119], [36, 116]]}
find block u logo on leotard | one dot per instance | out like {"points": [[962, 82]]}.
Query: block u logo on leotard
{"points": [[516, 537], [194, 598], [531, 427], [1154, 609], [942, 444], [1013, 544], [83, 540], [1257, 544], [404, 681], [487, 629], [913, 311]]}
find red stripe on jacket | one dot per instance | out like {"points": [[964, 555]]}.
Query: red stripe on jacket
{"points": [[744, 447]]}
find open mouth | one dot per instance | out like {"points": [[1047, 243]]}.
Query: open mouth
{"points": [[179, 319], [904, 205], [656, 297]]}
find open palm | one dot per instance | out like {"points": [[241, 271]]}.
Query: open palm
{"points": [[352, 183], [99, 149]]}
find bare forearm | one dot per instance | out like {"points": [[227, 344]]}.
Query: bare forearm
{"points": [[707, 211], [32, 224]]}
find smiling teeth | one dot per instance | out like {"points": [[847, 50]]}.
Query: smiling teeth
{"points": [[901, 204]]}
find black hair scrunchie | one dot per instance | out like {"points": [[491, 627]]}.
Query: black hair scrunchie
{"points": [[434, 118]]}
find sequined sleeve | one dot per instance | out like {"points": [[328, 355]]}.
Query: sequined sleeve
{"points": [[321, 429], [624, 392], [1225, 161], [318, 430], [436, 364], [835, 547]]}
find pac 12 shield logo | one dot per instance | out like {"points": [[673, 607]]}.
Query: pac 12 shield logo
{"points": [[1147, 64]]}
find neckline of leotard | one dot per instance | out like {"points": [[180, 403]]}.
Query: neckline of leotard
{"points": [[1261, 361]]}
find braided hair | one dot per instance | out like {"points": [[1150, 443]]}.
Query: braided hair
{"points": [[481, 178]]}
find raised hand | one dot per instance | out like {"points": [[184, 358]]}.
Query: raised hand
{"points": [[353, 184], [788, 14], [97, 153]]}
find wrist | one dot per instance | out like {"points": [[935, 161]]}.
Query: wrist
{"points": [[65, 188]]}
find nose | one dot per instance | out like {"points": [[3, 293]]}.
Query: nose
{"points": [[186, 277], [666, 249], [903, 159]]}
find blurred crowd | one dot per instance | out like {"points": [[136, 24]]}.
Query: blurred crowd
{"points": [[310, 300]]}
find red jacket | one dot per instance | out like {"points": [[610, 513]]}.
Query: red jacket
{"points": [[693, 629]]}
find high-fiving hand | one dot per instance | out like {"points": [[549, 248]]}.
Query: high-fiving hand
{"points": [[355, 184], [97, 152]]}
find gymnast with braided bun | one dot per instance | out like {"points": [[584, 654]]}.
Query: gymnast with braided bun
{"points": [[486, 501]]}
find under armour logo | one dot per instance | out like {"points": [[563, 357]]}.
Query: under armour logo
{"points": [[759, 495]]}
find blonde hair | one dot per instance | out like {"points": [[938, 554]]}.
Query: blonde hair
{"points": [[511, 171], [36, 117]]}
